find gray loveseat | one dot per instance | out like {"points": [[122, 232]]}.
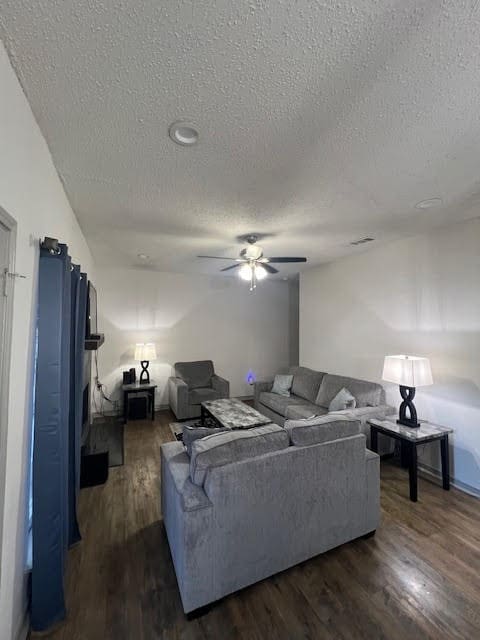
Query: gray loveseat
{"points": [[247, 504], [192, 384], [311, 393]]}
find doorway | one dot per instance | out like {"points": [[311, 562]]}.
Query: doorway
{"points": [[7, 257]]}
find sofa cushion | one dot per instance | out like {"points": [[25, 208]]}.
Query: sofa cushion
{"points": [[367, 413], [195, 374], [191, 433], [307, 385], [321, 429], [367, 394], [200, 394], [302, 411], [233, 446], [282, 384], [278, 403], [343, 400]]}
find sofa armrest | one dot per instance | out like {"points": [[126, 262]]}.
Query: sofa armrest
{"points": [[258, 387], [221, 385], [188, 518], [364, 414], [178, 396], [176, 471]]}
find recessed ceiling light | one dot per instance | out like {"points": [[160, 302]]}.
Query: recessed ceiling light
{"points": [[183, 133], [429, 203], [142, 256]]}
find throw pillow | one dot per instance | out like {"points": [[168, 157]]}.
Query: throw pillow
{"points": [[282, 385], [192, 433], [343, 400]]}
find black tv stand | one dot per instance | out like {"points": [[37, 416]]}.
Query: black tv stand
{"points": [[94, 459]]}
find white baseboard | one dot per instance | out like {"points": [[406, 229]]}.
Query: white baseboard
{"points": [[462, 486], [119, 414]]}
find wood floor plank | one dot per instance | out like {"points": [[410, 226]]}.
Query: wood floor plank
{"points": [[419, 577]]}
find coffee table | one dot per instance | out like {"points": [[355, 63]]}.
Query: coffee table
{"points": [[232, 414], [409, 438]]}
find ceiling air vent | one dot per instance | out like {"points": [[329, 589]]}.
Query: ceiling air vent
{"points": [[361, 241]]}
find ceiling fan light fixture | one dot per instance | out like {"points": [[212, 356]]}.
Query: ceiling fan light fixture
{"points": [[260, 272], [255, 265], [245, 272]]}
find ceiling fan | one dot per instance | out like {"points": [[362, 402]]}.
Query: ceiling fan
{"points": [[252, 263]]}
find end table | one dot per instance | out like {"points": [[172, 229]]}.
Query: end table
{"points": [[410, 438], [136, 388]]}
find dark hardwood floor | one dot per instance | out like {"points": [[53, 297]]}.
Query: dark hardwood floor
{"points": [[418, 578]]}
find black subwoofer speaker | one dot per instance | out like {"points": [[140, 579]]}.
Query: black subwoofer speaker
{"points": [[93, 469], [138, 407]]}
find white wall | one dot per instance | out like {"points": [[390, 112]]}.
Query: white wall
{"points": [[417, 296], [31, 192], [191, 317]]}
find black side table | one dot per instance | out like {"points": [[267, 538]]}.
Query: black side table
{"points": [[409, 438], [137, 388]]}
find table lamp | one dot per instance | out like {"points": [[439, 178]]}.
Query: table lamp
{"points": [[144, 353], [409, 372]]}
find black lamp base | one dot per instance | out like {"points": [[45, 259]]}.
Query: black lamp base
{"points": [[408, 394], [144, 375]]}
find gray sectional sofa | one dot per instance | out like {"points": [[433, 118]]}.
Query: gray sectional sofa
{"points": [[247, 504], [311, 393]]}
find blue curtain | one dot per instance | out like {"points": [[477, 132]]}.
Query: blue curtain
{"points": [[56, 446], [80, 330], [75, 405]]}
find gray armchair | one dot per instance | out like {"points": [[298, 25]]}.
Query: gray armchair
{"points": [[192, 384]]}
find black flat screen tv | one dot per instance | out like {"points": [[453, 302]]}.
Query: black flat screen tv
{"points": [[91, 326]]}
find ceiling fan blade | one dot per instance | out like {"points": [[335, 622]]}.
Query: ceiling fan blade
{"points": [[217, 258], [233, 266], [280, 260], [268, 268]]}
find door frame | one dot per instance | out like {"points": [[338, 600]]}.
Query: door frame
{"points": [[5, 359]]}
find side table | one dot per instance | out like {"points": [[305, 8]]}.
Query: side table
{"points": [[136, 388], [410, 438]]}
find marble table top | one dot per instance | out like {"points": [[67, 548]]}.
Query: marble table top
{"points": [[426, 430], [235, 414]]}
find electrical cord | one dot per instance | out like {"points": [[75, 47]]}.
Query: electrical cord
{"points": [[102, 391]]}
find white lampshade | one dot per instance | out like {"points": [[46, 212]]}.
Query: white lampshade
{"points": [[408, 371], [145, 351]]}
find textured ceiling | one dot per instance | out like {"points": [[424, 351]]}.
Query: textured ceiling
{"points": [[320, 122]]}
